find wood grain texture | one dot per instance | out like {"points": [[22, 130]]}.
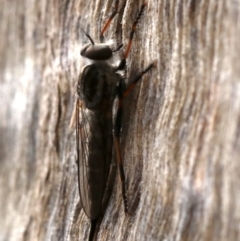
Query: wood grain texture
{"points": [[181, 137]]}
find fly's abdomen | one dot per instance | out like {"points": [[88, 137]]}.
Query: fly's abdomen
{"points": [[95, 169]]}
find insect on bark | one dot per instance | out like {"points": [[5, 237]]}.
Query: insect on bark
{"points": [[99, 84]]}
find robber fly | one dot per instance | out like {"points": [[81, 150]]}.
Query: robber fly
{"points": [[99, 84]]}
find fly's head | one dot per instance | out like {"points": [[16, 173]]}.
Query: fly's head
{"points": [[96, 52]]}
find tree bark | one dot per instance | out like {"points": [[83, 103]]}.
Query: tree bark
{"points": [[181, 131]]}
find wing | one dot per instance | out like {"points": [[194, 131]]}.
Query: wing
{"points": [[93, 159]]}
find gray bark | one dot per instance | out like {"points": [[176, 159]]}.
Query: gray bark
{"points": [[181, 132]]}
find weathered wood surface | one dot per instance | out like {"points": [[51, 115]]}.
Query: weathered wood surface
{"points": [[181, 141]]}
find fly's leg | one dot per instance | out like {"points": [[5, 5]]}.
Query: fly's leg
{"points": [[122, 64], [121, 94], [107, 24], [117, 128], [135, 81]]}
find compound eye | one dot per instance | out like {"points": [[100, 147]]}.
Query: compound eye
{"points": [[96, 52]]}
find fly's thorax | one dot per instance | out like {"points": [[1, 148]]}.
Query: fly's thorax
{"points": [[97, 84]]}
